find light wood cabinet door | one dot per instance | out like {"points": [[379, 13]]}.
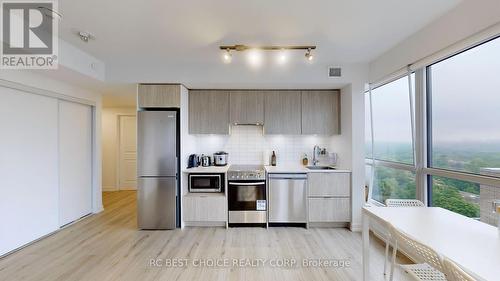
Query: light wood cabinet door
{"points": [[209, 112], [329, 184], [282, 112], [160, 96], [321, 112], [204, 208], [246, 107], [329, 210]]}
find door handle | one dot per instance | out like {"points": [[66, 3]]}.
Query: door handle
{"points": [[247, 183]]}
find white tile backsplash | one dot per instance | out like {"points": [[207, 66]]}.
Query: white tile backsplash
{"points": [[246, 145]]}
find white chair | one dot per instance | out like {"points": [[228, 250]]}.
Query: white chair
{"points": [[429, 266], [398, 203], [454, 272]]}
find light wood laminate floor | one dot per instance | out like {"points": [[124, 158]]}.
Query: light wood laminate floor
{"points": [[108, 246]]}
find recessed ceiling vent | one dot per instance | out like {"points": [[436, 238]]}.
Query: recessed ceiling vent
{"points": [[334, 72]]}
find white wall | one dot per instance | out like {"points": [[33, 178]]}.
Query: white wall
{"points": [[36, 79], [110, 141], [188, 142], [357, 125], [467, 19]]}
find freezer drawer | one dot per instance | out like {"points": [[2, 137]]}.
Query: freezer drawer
{"points": [[287, 198], [156, 203]]}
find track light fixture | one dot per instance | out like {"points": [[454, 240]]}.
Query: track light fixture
{"points": [[241, 48]]}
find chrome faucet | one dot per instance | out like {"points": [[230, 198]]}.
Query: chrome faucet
{"points": [[316, 151]]}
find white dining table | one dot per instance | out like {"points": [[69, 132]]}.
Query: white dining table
{"points": [[471, 244]]}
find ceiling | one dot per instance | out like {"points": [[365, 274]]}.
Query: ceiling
{"points": [[177, 41]]}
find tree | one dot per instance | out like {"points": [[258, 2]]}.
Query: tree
{"points": [[449, 197]]}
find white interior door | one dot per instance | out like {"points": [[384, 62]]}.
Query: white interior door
{"points": [[127, 164], [28, 168], [75, 161]]}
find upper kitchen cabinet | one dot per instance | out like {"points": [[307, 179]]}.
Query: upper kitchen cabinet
{"points": [[282, 112], [321, 112], [208, 112], [246, 107], [159, 96]]}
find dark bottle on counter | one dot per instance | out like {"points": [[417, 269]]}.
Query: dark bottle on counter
{"points": [[273, 159]]}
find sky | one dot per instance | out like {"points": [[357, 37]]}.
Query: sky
{"points": [[465, 95]]}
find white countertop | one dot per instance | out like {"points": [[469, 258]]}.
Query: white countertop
{"points": [[299, 169], [269, 169], [210, 169]]}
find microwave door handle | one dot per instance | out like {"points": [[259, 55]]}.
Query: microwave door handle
{"points": [[247, 183]]}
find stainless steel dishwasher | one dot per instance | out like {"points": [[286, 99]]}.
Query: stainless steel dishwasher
{"points": [[287, 198]]}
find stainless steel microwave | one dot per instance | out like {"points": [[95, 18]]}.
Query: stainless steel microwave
{"points": [[199, 183]]}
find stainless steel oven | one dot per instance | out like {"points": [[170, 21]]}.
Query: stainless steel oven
{"points": [[247, 200], [199, 183]]}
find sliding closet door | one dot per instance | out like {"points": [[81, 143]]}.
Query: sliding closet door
{"points": [[75, 161], [29, 188]]}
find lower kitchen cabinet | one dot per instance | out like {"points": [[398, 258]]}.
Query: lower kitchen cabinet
{"points": [[329, 209], [329, 197], [204, 208], [329, 184]]}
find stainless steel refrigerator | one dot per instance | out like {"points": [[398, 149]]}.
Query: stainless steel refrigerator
{"points": [[158, 205]]}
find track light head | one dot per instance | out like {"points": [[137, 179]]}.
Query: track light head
{"points": [[309, 55], [227, 56]]}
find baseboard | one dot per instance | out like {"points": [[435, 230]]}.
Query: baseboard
{"points": [[328, 224], [205, 223], [128, 188], [356, 227], [98, 210], [109, 188]]}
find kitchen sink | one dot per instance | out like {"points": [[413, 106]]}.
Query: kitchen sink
{"points": [[320, 168]]}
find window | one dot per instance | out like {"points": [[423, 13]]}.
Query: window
{"points": [[391, 115], [393, 141], [462, 141], [455, 195], [393, 183], [465, 110]]}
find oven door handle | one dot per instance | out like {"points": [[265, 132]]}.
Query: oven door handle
{"points": [[248, 183]]}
